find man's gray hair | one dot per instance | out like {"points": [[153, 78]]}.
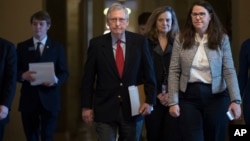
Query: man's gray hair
{"points": [[117, 6]]}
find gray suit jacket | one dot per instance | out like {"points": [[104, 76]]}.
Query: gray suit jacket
{"points": [[221, 65]]}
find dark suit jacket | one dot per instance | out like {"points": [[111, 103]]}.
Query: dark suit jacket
{"points": [[32, 95], [8, 63], [100, 66]]}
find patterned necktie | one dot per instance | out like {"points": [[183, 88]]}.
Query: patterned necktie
{"points": [[119, 58]]}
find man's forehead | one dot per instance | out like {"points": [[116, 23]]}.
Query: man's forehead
{"points": [[119, 12], [38, 21]]}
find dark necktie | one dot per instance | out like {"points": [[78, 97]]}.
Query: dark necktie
{"points": [[119, 58], [38, 53]]}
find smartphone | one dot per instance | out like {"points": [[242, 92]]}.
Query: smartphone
{"points": [[230, 115]]}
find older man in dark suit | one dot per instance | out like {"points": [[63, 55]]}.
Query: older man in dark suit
{"points": [[40, 104], [108, 104], [8, 63]]}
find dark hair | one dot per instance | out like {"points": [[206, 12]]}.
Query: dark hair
{"points": [[143, 17], [151, 31], [41, 15], [214, 31]]}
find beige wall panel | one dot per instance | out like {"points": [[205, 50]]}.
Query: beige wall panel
{"points": [[14, 26]]}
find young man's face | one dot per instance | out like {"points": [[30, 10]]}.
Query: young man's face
{"points": [[39, 28], [142, 29]]}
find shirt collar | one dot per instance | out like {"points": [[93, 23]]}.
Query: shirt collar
{"points": [[43, 41], [199, 39], [114, 39]]}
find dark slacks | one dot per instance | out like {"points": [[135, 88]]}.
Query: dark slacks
{"points": [[160, 126], [39, 125], [2, 127], [203, 114], [246, 103], [122, 129]]}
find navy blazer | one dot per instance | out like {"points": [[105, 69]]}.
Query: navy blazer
{"points": [[8, 64], [110, 92], [244, 67], [32, 95]]}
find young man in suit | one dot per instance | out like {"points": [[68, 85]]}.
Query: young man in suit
{"points": [[107, 101], [40, 104], [8, 63], [142, 21]]}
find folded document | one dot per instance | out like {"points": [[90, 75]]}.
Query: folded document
{"points": [[137, 98], [45, 72]]}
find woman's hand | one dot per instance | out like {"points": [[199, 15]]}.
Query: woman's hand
{"points": [[174, 110]]}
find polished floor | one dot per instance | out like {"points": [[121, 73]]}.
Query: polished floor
{"points": [[86, 134]]}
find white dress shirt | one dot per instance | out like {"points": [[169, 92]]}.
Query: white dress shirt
{"points": [[200, 70]]}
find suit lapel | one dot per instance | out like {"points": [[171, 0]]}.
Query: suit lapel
{"points": [[31, 50], [108, 53], [130, 50], [46, 50]]}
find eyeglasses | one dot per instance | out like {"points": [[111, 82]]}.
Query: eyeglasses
{"points": [[114, 20], [200, 15]]}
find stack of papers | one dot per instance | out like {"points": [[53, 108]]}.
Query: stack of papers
{"points": [[45, 72]]}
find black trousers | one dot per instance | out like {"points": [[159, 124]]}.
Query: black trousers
{"points": [[161, 126], [2, 127], [203, 114], [39, 125], [246, 103], [122, 129]]}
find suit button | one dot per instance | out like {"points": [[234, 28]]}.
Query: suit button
{"points": [[120, 98], [121, 84]]}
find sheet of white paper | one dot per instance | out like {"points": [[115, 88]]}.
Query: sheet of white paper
{"points": [[45, 72], [137, 98], [134, 100]]}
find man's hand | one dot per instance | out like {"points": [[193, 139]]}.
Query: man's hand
{"points": [[3, 112], [48, 84], [87, 116], [145, 109], [28, 76]]}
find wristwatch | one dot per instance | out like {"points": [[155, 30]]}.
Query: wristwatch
{"points": [[237, 101]]}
